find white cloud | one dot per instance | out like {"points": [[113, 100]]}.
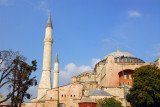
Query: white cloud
{"points": [[43, 5], [134, 14], [72, 69], [33, 88], [156, 50], [156, 54], [94, 62], [33, 91], [6, 2]]}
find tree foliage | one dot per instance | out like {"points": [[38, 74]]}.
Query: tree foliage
{"points": [[145, 91], [16, 73], [108, 102]]}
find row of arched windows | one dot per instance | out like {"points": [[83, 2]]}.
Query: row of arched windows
{"points": [[70, 95], [128, 60], [63, 95], [128, 83]]}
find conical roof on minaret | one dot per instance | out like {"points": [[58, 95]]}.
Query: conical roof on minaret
{"points": [[56, 60], [49, 22]]}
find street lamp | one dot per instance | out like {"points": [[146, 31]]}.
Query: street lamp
{"points": [[124, 84]]}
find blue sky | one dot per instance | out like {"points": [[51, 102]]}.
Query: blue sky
{"points": [[84, 31]]}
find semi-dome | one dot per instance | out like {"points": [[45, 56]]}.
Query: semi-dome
{"points": [[99, 93], [87, 73], [124, 57]]}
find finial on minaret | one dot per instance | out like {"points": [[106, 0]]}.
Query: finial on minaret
{"points": [[56, 60], [49, 22], [49, 13], [118, 48]]}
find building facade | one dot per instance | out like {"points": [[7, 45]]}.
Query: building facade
{"points": [[107, 76]]}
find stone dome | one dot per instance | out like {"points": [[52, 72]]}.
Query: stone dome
{"points": [[99, 93], [123, 57], [120, 54]]}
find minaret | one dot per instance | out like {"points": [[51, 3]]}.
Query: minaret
{"points": [[56, 72], [45, 82]]}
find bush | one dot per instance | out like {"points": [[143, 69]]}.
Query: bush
{"points": [[108, 102]]}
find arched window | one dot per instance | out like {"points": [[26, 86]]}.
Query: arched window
{"points": [[84, 91], [128, 83], [91, 88], [96, 88], [123, 83]]}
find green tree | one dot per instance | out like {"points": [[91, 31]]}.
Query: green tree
{"points": [[145, 91], [108, 102], [16, 73]]}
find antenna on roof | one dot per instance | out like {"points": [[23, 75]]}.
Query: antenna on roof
{"points": [[118, 48], [49, 13]]}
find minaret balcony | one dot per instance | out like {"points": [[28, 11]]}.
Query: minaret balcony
{"points": [[48, 40]]}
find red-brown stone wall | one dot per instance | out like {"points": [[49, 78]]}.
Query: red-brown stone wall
{"points": [[87, 104], [130, 72]]}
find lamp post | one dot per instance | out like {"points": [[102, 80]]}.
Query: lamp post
{"points": [[124, 84]]}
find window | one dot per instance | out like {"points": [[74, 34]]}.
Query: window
{"points": [[84, 91], [128, 83], [96, 88], [127, 75], [123, 83], [91, 88], [130, 77]]}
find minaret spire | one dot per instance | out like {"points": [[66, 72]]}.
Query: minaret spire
{"points": [[49, 22], [56, 59], [45, 82], [56, 72]]}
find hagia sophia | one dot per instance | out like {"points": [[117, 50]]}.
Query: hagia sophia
{"points": [[111, 77]]}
